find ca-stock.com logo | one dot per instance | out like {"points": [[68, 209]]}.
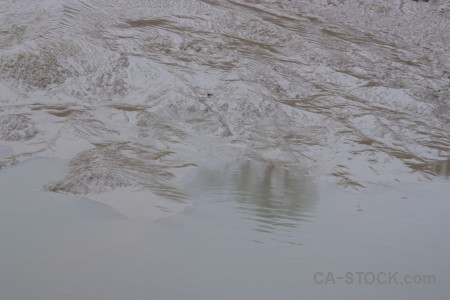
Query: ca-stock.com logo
{"points": [[367, 278]]}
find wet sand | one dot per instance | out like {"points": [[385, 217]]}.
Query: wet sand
{"points": [[357, 92]]}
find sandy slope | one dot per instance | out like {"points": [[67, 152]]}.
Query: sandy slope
{"points": [[138, 93]]}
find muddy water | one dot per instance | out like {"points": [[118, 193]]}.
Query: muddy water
{"points": [[255, 231], [244, 108]]}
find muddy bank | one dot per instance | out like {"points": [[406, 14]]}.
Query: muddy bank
{"points": [[135, 93]]}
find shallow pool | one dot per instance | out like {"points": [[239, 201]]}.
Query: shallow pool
{"points": [[253, 231]]}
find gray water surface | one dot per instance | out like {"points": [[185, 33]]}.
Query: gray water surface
{"points": [[255, 232]]}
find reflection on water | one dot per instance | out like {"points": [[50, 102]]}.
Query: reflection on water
{"points": [[271, 197], [239, 240], [441, 168]]}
